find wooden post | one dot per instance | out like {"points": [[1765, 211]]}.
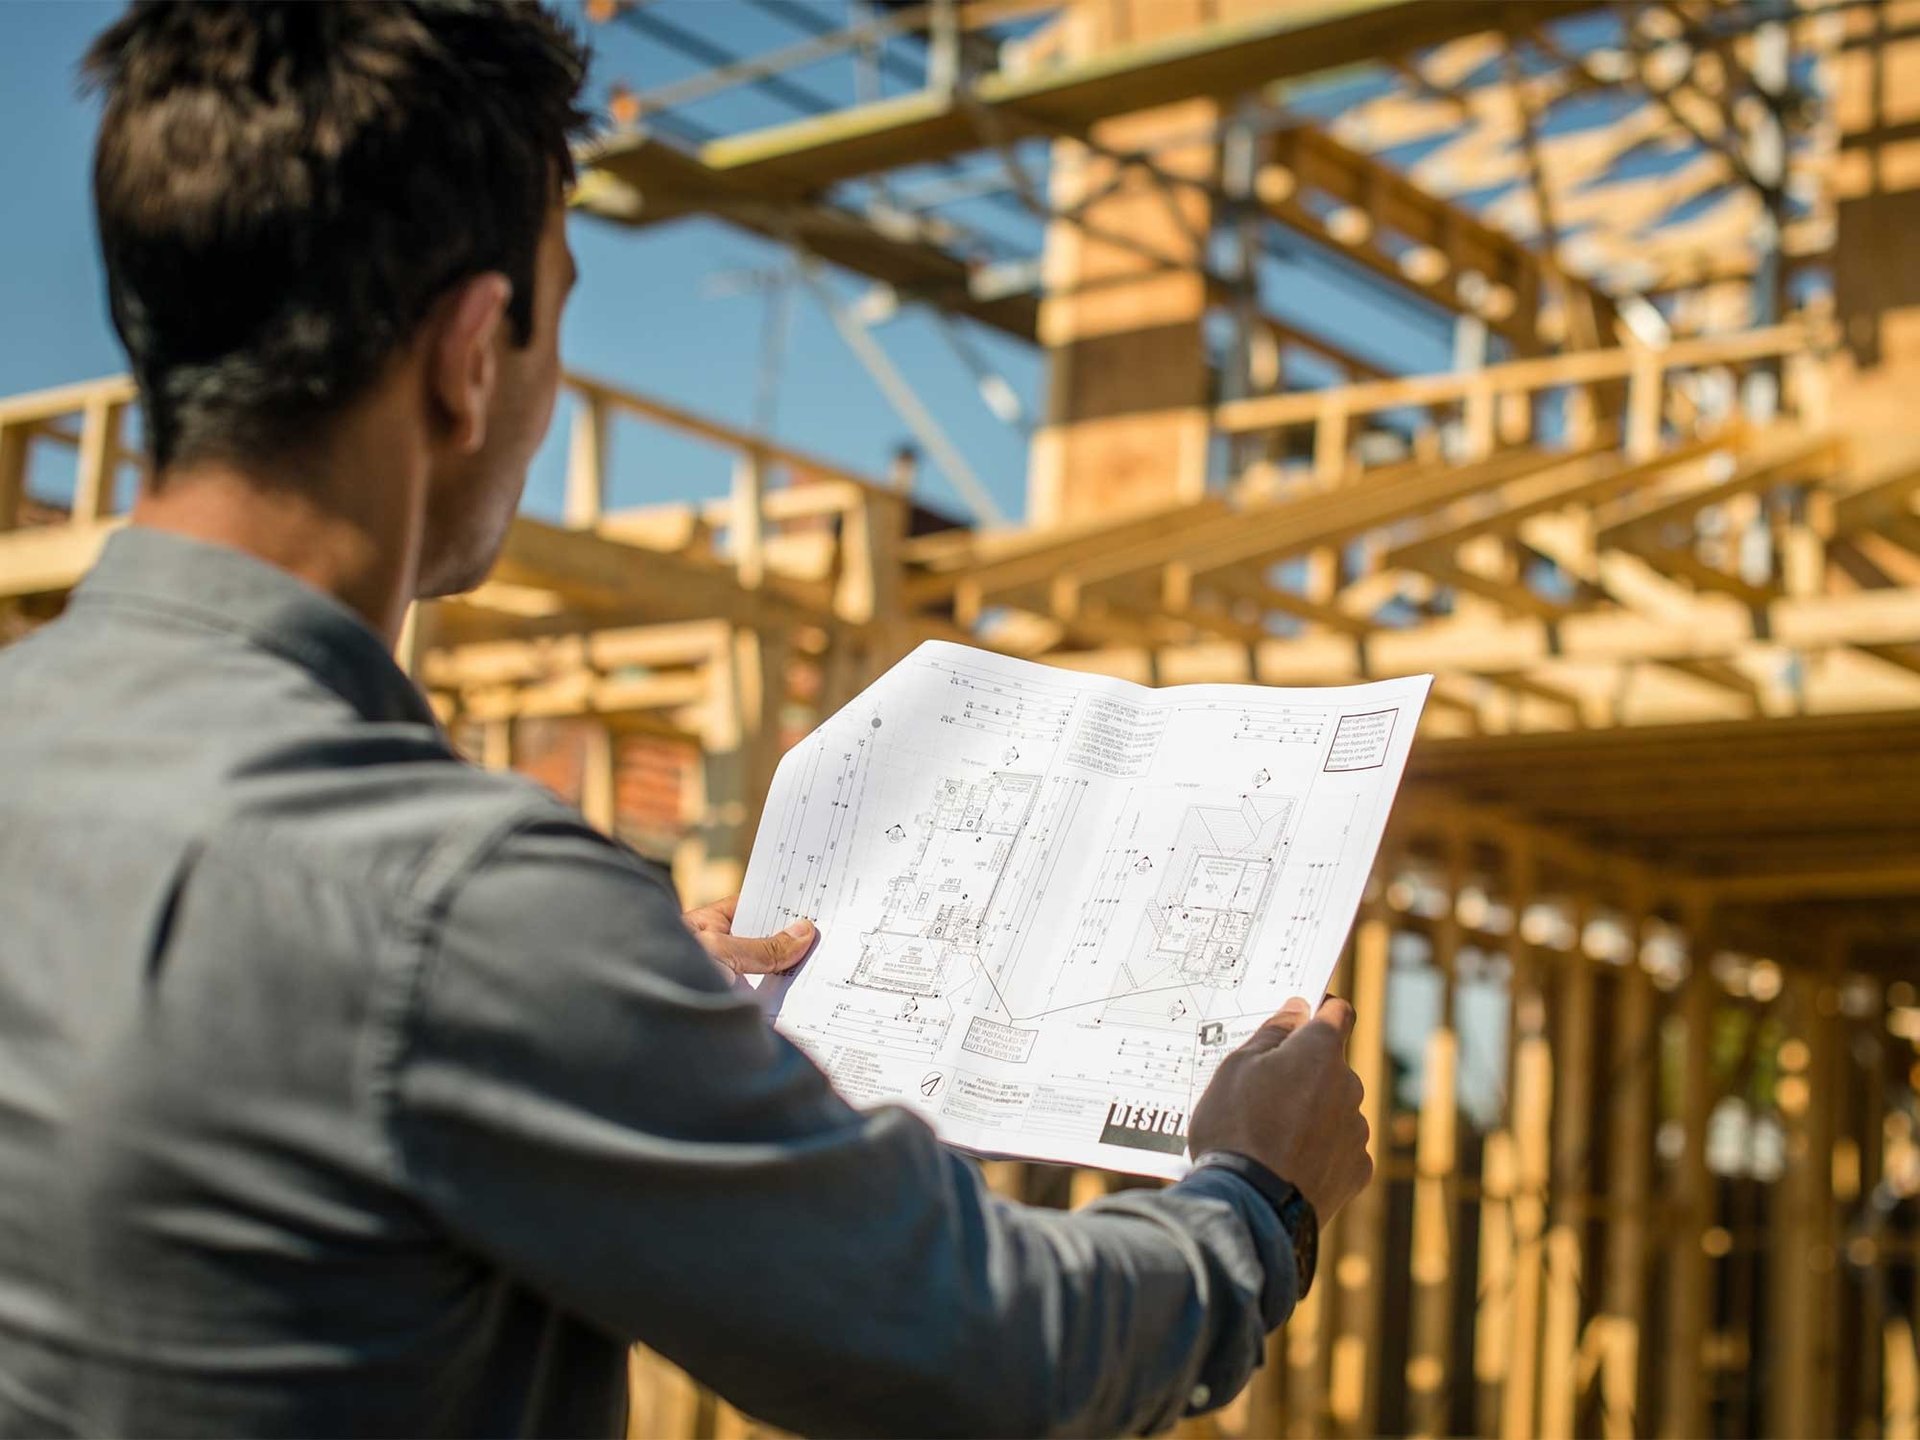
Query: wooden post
{"points": [[1295, 1394], [1330, 435], [1646, 388], [1870, 1133], [1127, 424], [1572, 1135], [587, 462], [496, 744], [1493, 1333], [1790, 1238], [15, 442], [749, 520], [1435, 1149], [1901, 1396], [871, 533], [1435, 1157], [99, 448], [598, 779], [1477, 420], [1515, 412], [1689, 1273], [1802, 1316], [871, 570], [1493, 1325], [1304, 1336], [1353, 1387], [1532, 1121], [1829, 1077], [1630, 1101], [740, 745], [416, 637]]}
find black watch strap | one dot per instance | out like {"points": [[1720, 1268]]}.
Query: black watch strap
{"points": [[1294, 1210]]}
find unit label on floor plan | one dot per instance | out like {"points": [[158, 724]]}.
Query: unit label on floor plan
{"points": [[1050, 902]]}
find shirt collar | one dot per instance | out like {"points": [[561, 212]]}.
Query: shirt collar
{"points": [[180, 579]]}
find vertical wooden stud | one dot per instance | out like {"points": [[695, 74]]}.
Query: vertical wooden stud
{"points": [[598, 781], [1792, 1236], [15, 441], [1572, 1135], [1359, 1266], [749, 520], [496, 744], [1330, 441], [740, 746], [587, 462], [1435, 1156], [1581, 421], [1493, 1324], [99, 447], [1812, 1210], [1900, 1398], [1870, 1132], [416, 637], [1304, 1335], [1477, 420], [1532, 1134], [1629, 1161], [1646, 389], [1689, 1273]]}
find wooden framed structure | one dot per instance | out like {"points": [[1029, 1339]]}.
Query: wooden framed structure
{"points": [[1639, 1018]]}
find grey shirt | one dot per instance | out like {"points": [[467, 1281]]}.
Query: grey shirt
{"points": [[346, 1088]]}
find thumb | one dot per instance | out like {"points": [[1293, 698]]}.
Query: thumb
{"points": [[1278, 1026], [1338, 1015], [767, 955]]}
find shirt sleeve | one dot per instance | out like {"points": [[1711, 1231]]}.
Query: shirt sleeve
{"points": [[579, 1096]]}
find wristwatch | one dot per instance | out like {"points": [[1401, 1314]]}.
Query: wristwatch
{"points": [[1294, 1209]]}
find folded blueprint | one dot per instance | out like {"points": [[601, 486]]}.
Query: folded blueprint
{"points": [[1050, 902]]}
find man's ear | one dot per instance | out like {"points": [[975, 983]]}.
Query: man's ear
{"points": [[462, 367]]}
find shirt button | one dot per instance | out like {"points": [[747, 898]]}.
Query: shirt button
{"points": [[1199, 1397]]}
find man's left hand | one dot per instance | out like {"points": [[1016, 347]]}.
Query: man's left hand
{"points": [[712, 926]]}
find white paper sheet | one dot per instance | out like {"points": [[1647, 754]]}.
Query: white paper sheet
{"points": [[1050, 902]]}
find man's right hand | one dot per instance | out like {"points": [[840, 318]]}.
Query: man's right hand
{"points": [[1288, 1099]]}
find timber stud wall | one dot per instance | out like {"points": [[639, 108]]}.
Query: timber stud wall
{"points": [[1569, 1262]]}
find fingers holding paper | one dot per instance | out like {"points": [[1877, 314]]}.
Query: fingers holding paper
{"points": [[712, 926]]}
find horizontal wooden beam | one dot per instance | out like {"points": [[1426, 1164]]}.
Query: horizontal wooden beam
{"points": [[1270, 412], [1892, 876], [49, 559], [639, 180], [586, 693], [61, 400], [1219, 61], [1721, 628], [503, 662]]}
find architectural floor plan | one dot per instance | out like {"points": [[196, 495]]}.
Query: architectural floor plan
{"points": [[1050, 902]]}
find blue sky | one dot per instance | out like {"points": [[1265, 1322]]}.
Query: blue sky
{"points": [[651, 312]]}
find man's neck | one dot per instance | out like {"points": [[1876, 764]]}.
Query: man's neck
{"points": [[357, 540]]}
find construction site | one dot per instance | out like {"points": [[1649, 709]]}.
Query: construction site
{"points": [[1638, 975]]}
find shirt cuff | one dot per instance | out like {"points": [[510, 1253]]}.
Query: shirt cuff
{"points": [[1272, 1241], [1277, 1192]]}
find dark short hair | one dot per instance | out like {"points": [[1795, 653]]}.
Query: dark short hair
{"points": [[284, 190]]}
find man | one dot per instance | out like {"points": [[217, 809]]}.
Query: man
{"points": [[345, 1088]]}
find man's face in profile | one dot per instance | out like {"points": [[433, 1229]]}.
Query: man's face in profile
{"points": [[471, 502]]}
